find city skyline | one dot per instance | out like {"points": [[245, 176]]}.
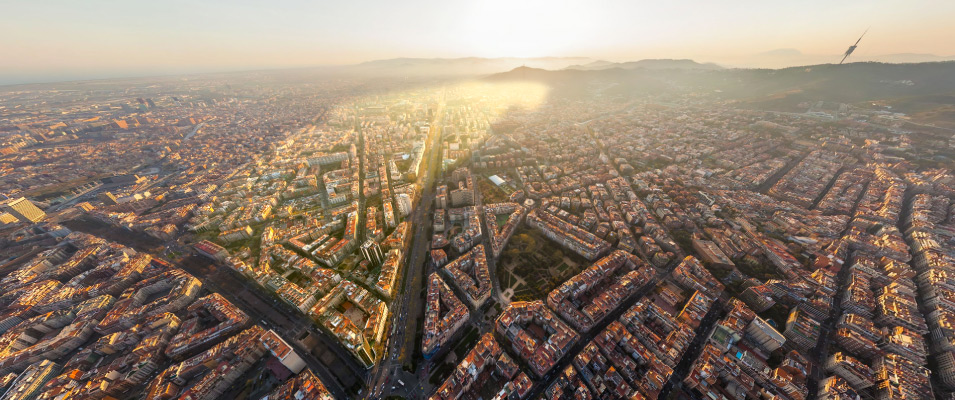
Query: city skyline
{"points": [[58, 41], [503, 200]]}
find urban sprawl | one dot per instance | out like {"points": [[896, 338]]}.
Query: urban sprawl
{"points": [[221, 237]]}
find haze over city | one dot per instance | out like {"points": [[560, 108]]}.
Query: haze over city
{"points": [[65, 40], [500, 200]]}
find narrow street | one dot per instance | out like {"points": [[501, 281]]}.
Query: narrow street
{"points": [[769, 182]]}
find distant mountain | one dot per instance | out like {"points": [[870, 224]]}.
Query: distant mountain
{"points": [[478, 66], [447, 67], [535, 74], [782, 58], [769, 88], [599, 64], [648, 64], [907, 58]]}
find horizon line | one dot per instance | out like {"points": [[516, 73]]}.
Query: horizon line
{"points": [[319, 66]]}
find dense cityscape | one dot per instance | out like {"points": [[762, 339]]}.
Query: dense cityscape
{"points": [[264, 236]]}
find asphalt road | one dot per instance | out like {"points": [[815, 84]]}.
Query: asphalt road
{"points": [[406, 308]]}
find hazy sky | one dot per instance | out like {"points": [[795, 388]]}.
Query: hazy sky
{"points": [[99, 38]]}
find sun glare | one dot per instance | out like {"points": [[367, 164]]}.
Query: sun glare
{"points": [[504, 96], [505, 28]]}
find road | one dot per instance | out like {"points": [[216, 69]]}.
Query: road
{"points": [[829, 185], [406, 308], [361, 183], [491, 260], [769, 182]]}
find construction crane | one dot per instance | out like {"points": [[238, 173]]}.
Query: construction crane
{"points": [[853, 47]]}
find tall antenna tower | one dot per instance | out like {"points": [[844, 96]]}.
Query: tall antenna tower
{"points": [[853, 47]]}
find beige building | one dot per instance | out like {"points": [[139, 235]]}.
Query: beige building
{"points": [[23, 210]]}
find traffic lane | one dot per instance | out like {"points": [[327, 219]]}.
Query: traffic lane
{"points": [[412, 272]]}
